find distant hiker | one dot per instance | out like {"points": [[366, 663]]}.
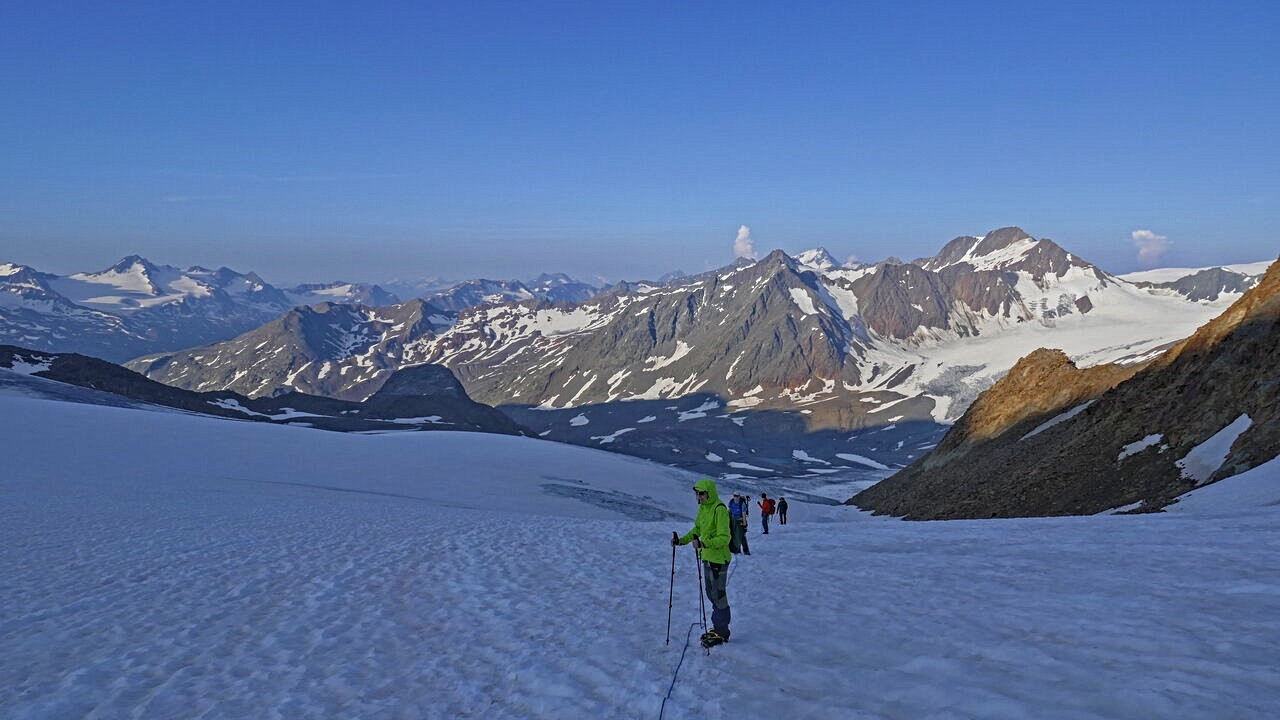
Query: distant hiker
{"points": [[766, 511], [735, 512], [782, 510], [738, 525], [710, 534]]}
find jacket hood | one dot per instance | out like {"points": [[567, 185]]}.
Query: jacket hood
{"points": [[708, 486]]}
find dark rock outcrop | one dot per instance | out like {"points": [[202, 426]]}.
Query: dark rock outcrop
{"points": [[1208, 284], [426, 397], [341, 351]]}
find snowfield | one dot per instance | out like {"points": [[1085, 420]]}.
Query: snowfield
{"points": [[162, 565]]}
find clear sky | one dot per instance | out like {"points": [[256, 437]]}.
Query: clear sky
{"points": [[375, 140]]}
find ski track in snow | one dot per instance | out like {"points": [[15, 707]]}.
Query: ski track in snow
{"points": [[188, 594]]}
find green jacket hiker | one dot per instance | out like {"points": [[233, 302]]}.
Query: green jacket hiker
{"points": [[711, 528], [711, 525]]}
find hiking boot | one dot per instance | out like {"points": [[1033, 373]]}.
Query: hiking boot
{"points": [[711, 638]]}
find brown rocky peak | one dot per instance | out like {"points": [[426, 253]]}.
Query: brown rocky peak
{"points": [[950, 253], [1044, 382], [1000, 239]]}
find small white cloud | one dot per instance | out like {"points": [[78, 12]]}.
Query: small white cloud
{"points": [[852, 261], [744, 246], [1150, 246]]}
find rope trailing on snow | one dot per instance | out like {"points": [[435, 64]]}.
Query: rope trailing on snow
{"points": [[688, 636]]}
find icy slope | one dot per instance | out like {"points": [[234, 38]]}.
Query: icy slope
{"points": [[160, 566]]}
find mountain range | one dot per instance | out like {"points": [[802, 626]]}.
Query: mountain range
{"points": [[137, 307], [778, 366]]}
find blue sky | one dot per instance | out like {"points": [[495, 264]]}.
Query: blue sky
{"points": [[369, 141]]}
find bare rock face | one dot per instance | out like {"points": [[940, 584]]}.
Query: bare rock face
{"points": [[1030, 445], [1207, 285], [425, 380], [1046, 381], [339, 351], [1000, 239]]}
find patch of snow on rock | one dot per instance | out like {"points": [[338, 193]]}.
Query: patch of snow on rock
{"points": [[36, 364], [699, 412], [1204, 459], [682, 349], [862, 461], [606, 439], [803, 301], [803, 456], [745, 466], [1134, 448], [1058, 420]]}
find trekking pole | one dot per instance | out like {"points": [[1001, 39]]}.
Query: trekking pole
{"points": [[671, 594], [702, 598]]}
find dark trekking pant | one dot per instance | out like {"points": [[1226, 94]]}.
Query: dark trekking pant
{"points": [[717, 582], [764, 520], [738, 528]]}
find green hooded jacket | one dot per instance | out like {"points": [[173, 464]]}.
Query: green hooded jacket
{"points": [[711, 525]]}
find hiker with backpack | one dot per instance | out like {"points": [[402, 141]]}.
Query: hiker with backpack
{"points": [[766, 511], [782, 510], [710, 535]]}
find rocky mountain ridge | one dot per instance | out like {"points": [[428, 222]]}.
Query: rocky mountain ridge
{"points": [[136, 307], [334, 350], [424, 397]]}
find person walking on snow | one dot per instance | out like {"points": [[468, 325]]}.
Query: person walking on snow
{"points": [[738, 525], [782, 511], [766, 511], [710, 534]]}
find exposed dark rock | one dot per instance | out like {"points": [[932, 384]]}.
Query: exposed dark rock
{"points": [[341, 351], [1207, 285], [425, 398]]}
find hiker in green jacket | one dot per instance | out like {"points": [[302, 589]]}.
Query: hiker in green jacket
{"points": [[710, 534]]}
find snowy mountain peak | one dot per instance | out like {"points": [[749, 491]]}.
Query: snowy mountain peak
{"points": [[1001, 239], [817, 258], [131, 264], [551, 279], [133, 275], [340, 292], [778, 258], [1011, 250]]}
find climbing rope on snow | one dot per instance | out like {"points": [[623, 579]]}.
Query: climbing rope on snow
{"points": [[687, 638]]}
